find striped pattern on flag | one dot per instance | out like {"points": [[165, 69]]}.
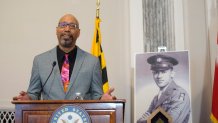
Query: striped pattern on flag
{"points": [[98, 52]]}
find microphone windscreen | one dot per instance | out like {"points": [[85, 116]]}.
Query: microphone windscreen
{"points": [[54, 63]]}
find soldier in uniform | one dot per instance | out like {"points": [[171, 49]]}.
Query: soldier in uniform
{"points": [[171, 97]]}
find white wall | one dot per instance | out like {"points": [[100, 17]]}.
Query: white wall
{"points": [[198, 45], [27, 28]]}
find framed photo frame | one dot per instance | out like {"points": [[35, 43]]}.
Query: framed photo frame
{"points": [[159, 116], [150, 92]]}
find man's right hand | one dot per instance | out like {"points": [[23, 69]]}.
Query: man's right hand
{"points": [[23, 96]]}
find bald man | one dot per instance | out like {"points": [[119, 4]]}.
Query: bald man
{"points": [[65, 70]]}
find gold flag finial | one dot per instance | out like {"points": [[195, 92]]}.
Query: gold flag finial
{"points": [[98, 8]]}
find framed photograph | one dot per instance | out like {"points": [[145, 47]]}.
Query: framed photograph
{"points": [[162, 81]]}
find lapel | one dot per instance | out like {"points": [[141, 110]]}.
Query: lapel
{"points": [[78, 63], [166, 94], [57, 75]]}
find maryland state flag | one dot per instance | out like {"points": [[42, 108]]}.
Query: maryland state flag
{"points": [[214, 113], [98, 52]]}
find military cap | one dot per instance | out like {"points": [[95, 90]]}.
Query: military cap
{"points": [[161, 62]]}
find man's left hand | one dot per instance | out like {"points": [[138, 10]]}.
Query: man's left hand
{"points": [[107, 95]]}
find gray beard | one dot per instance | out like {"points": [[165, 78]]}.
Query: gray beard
{"points": [[67, 43]]}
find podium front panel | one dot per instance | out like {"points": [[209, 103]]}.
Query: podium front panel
{"points": [[41, 111]]}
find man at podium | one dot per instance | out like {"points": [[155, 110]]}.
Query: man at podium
{"points": [[65, 70]]}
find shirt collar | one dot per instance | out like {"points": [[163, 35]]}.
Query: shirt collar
{"points": [[61, 54]]}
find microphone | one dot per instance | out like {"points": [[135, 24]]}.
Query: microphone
{"points": [[53, 65]]}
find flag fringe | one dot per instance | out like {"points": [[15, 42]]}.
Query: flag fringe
{"points": [[213, 118]]}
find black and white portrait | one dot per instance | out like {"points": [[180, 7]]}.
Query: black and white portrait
{"points": [[162, 80]]}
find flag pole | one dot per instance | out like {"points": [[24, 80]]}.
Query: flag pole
{"points": [[97, 49], [98, 8]]}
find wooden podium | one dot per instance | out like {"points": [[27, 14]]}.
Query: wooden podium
{"points": [[40, 111]]}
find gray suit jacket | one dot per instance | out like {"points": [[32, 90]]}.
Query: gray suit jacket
{"points": [[175, 101], [86, 77]]}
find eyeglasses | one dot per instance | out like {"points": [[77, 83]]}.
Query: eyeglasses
{"points": [[71, 25]]}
